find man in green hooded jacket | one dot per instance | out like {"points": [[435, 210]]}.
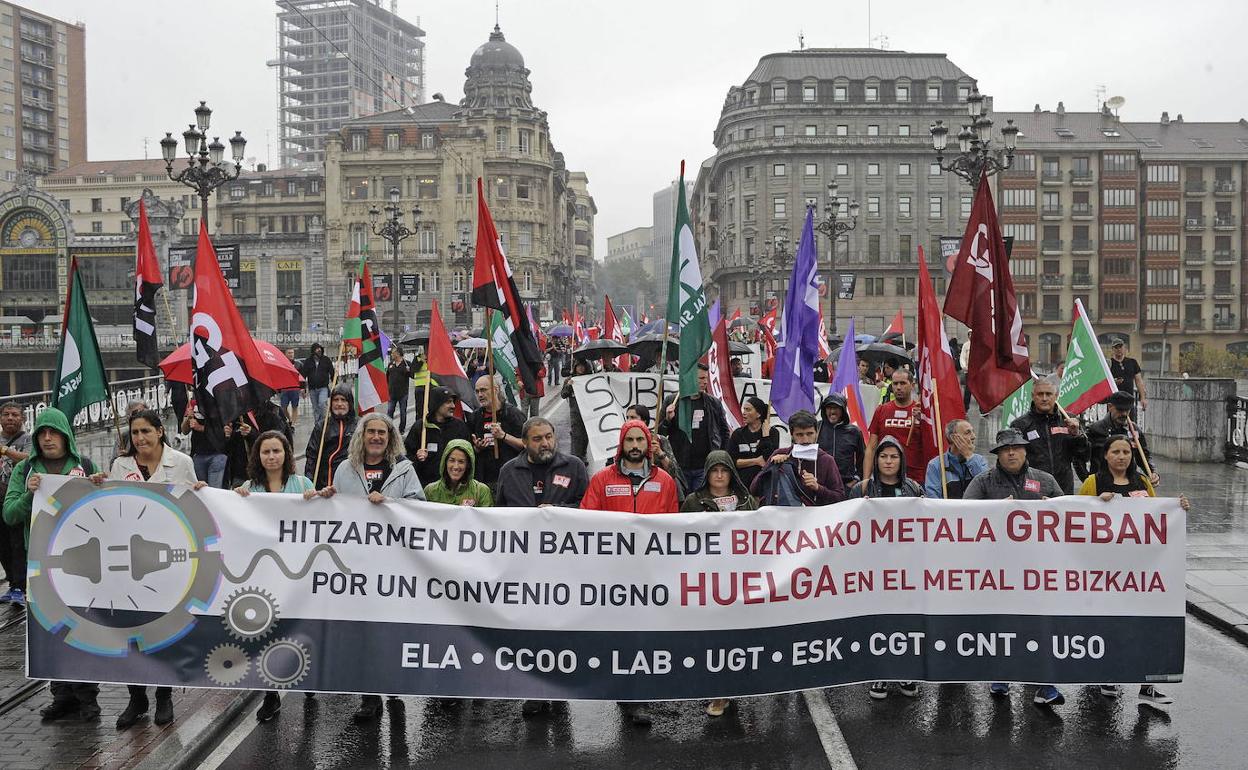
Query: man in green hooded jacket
{"points": [[54, 452], [456, 484]]}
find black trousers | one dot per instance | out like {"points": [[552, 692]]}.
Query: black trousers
{"points": [[13, 555], [83, 693]]}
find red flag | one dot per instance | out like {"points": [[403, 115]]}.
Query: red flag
{"points": [[567, 319], [537, 330], [936, 370], [444, 365], [720, 372], [228, 368], [147, 282], [579, 335], [898, 325], [981, 295], [611, 330]]}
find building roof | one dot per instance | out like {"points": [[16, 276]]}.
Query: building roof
{"points": [[855, 64], [92, 168], [1180, 139], [429, 113], [497, 52], [1044, 128]]}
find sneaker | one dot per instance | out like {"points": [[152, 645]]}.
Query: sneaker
{"points": [[909, 689], [878, 690], [1153, 695], [1111, 690], [1048, 695], [717, 707], [270, 707], [999, 688], [532, 708], [58, 709], [17, 597]]}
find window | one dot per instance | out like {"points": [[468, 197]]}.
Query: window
{"points": [[457, 281], [963, 93], [903, 93], [1016, 198], [528, 280], [1118, 162], [903, 130], [426, 141], [777, 93], [267, 189], [524, 239], [903, 169], [873, 205], [29, 272], [1157, 242], [501, 188], [933, 169], [427, 241], [392, 140], [964, 208], [874, 287], [777, 169], [357, 188], [812, 130], [749, 208], [1021, 233], [903, 248], [1118, 232], [747, 133], [1161, 311], [842, 130], [873, 169], [240, 225], [97, 205], [426, 188], [808, 93], [840, 93], [778, 208], [842, 169], [1160, 207], [873, 93], [934, 207], [903, 206], [522, 188], [1025, 161], [1119, 197], [933, 93], [314, 186], [290, 283], [1167, 278], [359, 141], [502, 139], [873, 130], [526, 141], [749, 172], [777, 130], [873, 248], [97, 227], [905, 286], [1165, 173], [1050, 168], [812, 169], [1118, 302]]}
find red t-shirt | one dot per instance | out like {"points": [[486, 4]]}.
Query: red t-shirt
{"points": [[902, 424]]}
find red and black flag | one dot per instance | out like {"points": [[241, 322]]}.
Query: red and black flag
{"points": [[494, 286], [229, 371], [362, 333], [147, 282]]}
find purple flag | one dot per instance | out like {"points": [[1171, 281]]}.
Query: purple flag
{"points": [[846, 380], [793, 383], [713, 315]]}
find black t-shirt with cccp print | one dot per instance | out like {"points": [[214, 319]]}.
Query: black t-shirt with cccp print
{"points": [[376, 475]]}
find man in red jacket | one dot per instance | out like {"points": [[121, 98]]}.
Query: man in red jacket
{"points": [[633, 483]]}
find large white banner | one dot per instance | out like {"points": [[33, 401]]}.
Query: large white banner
{"points": [[141, 583], [603, 398]]}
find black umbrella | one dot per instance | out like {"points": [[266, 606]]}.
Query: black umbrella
{"points": [[743, 323], [879, 352], [898, 339], [599, 348], [739, 348], [648, 347], [419, 336]]}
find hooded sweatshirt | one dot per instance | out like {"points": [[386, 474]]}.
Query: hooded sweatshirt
{"points": [[906, 487], [437, 436], [612, 489], [841, 439], [338, 432], [468, 491], [317, 369], [704, 500], [830, 489], [18, 499]]}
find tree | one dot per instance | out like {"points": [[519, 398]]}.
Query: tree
{"points": [[622, 279], [1201, 361]]}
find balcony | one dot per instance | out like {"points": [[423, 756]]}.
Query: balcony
{"points": [[1082, 246], [1223, 291], [1051, 177], [1081, 176], [1052, 281], [1224, 222], [40, 59], [1051, 246], [1081, 281], [1194, 257], [1194, 223], [1051, 212], [1224, 187], [1196, 187], [1081, 210], [1051, 314], [1194, 291], [1225, 324], [1224, 257], [1193, 324]]}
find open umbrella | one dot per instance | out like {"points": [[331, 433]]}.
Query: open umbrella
{"points": [[418, 336], [599, 348], [743, 323], [559, 330], [739, 348], [879, 352], [648, 346], [279, 372], [864, 339], [472, 343], [896, 338]]}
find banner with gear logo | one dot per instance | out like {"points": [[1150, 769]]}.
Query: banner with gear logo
{"points": [[142, 583]]}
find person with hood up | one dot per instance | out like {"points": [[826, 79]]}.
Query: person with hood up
{"points": [[318, 372], [54, 451], [663, 456], [337, 433], [751, 444], [633, 483], [457, 484], [818, 480], [841, 438], [439, 427]]}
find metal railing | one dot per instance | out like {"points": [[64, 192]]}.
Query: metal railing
{"points": [[1051, 211], [1081, 175], [1081, 209], [153, 389], [1227, 220], [1194, 257], [1196, 187], [1052, 281], [1223, 256], [1082, 244], [1194, 223], [1224, 186], [1051, 244]]}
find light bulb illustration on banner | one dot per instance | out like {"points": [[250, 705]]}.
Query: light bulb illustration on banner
{"points": [[149, 552]]}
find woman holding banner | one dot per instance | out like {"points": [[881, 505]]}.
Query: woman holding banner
{"points": [[271, 468], [456, 484], [1115, 478]]}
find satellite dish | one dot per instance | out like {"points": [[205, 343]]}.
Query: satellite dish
{"points": [[1115, 102]]}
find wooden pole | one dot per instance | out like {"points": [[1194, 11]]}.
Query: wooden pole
{"points": [[662, 375], [1135, 437], [320, 450], [424, 409], [940, 439], [489, 363]]}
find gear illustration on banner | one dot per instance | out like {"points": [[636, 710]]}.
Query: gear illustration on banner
{"points": [[250, 613], [227, 664], [283, 663]]}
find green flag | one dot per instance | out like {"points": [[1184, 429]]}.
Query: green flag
{"points": [[1086, 378], [626, 323], [504, 355], [80, 377], [1018, 404], [686, 307]]}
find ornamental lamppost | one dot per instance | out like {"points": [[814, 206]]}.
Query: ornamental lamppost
{"points": [[395, 232], [462, 259], [833, 228], [976, 157], [769, 262], [204, 170]]}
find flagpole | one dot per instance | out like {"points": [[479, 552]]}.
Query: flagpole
{"points": [[320, 450], [489, 362], [424, 409], [1135, 437], [662, 374], [940, 435]]}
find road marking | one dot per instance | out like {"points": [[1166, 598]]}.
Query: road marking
{"points": [[830, 736], [246, 725]]}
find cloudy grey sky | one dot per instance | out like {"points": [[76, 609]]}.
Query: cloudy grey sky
{"points": [[633, 87]]}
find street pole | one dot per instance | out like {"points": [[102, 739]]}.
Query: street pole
{"points": [[394, 232], [205, 170], [833, 228]]}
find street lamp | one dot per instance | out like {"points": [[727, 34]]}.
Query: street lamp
{"points": [[462, 258], [976, 157], [831, 227], [205, 170], [770, 261], [395, 232]]}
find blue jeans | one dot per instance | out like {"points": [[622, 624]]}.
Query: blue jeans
{"points": [[399, 405], [320, 399], [210, 469], [694, 479]]}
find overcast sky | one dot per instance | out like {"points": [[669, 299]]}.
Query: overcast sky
{"points": [[631, 88]]}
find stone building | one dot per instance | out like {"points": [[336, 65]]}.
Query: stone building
{"points": [[96, 193], [433, 154]]}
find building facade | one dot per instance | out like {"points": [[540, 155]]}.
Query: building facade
{"points": [[631, 244], [318, 88], [43, 93], [433, 155], [96, 194]]}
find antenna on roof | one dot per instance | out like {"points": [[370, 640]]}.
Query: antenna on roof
{"points": [[1100, 96], [1115, 103], [881, 41], [801, 41], [496, 13]]}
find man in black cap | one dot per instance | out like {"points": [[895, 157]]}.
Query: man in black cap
{"points": [[1011, 479], [1128, 375], [427, 439], [1118, 422]]}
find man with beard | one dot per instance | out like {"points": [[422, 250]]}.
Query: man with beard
{"points": [[495, 423], [438, 427], [898, 418], [317, 371], [1117, 422]]}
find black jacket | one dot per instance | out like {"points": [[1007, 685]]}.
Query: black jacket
{"points": [[337, 439], [1099, 434], [563, 481], [512, 421], [842, 440], [398, 377], [714, 422], [267, 416], [317, 370], [1051, 447], [437, 436]]}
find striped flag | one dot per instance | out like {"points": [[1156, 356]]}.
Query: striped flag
{"points": [[362, 333]]}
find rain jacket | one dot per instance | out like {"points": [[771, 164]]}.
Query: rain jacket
{"points": [[317, 369], [1051, 447], [17, 498], [437, 436], [401, 484], [613, 490], [1027, 484], [873, 487], [703, 500], [469, 491], [563, 481], [338, 432], [714, 423], [841, 439]]}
